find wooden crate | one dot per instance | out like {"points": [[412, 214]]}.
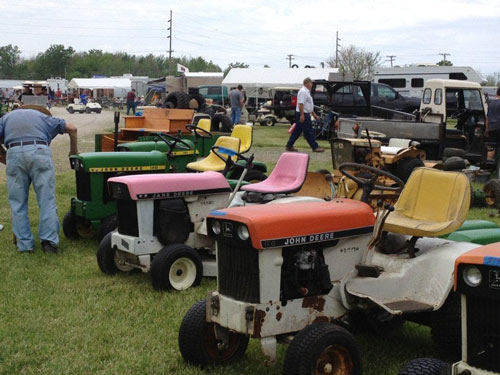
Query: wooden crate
{"points": [[165, 119]]}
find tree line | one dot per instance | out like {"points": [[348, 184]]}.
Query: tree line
{"points": [[61, 61]]}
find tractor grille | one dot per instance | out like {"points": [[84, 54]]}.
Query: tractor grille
{"points": [[127, 217], [238, 271], [82, 185], [483, 333]]}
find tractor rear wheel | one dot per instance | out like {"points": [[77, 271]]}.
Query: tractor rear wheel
{"points": [[323, 348], [492, 191], [179, 99], [254, 175], [176, 267], [110, 260], [199, 345], [406, 166], [69, 226], [425, 366]]}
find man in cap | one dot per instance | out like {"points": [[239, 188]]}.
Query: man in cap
{"points": [[27, 133], [303, 111]]}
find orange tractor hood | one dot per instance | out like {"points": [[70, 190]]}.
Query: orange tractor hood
{"points": [[292, 224]]}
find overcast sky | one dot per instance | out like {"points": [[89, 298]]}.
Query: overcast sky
{"points": [[263, 32]]}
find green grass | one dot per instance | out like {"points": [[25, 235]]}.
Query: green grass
{"points": [[60, 315]]}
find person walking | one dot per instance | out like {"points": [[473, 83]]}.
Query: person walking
{"points": [[492, 130], [236, 100], [303, 112], [27, 132], [131, 101]]}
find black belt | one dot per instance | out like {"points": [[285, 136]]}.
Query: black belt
{"points": [[26, 143]]}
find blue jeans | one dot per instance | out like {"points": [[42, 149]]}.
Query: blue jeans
{"points": [[27, 165], [235, 115], [130, 105], [305, 127]]}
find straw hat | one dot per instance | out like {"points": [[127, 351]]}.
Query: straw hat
{"points": [[38, 108]]}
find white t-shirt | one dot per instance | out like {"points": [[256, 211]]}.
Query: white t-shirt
{"points": [[304, 97]]}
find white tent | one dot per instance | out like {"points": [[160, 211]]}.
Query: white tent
{"points": [[120, 85], [274, 77]]}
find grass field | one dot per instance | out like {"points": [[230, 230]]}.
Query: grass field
{"points": [[60, 315]]}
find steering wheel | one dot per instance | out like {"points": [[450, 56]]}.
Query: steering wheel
{"points": [[459, 113], [369, 184], [164, 137], [218, 150], [203, 133]]}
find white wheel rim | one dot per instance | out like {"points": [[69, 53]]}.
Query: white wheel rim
{"points": [[182, 273], [120, 262]]}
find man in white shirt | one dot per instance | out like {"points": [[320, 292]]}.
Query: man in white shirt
{"points": [[303, 112]]}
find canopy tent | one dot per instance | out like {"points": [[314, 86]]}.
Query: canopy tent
{"points": [[260, 79], [120, 85]]}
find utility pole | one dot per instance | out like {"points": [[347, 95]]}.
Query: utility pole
{"points": [[391, 58], [290, 58], [444, 56], [170, 46], [337, 45]]}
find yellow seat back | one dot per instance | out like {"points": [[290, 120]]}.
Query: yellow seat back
{"points": [[204, 124], [212, 162], [432, 203], [245, 134]]}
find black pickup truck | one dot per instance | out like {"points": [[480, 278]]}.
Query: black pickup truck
{"points": [[350, 98]]}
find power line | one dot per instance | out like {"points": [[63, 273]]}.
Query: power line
{"points": [[290, 58], [444, 56], [170, 44], [337, 45]]}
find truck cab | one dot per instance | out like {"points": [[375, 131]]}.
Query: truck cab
{"points": [[218, 94]]}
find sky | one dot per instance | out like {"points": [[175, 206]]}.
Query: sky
{"points": [[263, 32]]}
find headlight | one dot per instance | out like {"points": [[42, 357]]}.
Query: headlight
{"points": [[472, 276], [216, 227], [243, 232]]}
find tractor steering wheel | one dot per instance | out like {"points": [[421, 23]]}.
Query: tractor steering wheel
{"points": [[218, 150], [368, 184], [203, 133], [458, 114], [176, 140]]}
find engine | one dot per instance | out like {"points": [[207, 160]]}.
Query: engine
{"points": [[304, 273]]}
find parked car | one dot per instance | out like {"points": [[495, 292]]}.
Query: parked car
{"points": [[219, 94]]}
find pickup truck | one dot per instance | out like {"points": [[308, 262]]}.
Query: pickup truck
{"points": [[452, 116], [349, 99]]}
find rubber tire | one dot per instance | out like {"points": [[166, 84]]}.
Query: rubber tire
{"points": [[254, 175], [446, 327], [98, 110], [221, 122], [454, 163], [106, 256], [450, 151], [493, 185], [269, 122], [169, 105], [179, 99], [193, 334], [405, 167], [69, 226], [425, 366], [200, 100], [108, 225], [88, 110], [71, 110], [160, 266], [303, 352]]}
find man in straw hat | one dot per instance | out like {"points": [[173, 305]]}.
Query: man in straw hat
{"points": [[27, 133]]}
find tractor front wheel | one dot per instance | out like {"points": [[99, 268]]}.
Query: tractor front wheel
{"points": [[176, 266], [200, 346], [323, 348], [492, 193], [69, 226], [110, 260], [425, 366]]}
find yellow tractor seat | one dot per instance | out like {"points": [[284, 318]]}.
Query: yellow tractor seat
{"points": [[245, 134], [214, 163], [204, 124], [432, 203]]}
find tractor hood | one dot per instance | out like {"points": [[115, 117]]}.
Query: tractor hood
{"points": [[170, 185], [488, 255], [293, 224], [119, 161]]}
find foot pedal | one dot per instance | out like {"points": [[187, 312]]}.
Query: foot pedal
{"points": [[365, 270]]}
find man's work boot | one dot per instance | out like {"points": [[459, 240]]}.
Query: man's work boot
{"points": [[47, 247], [291, 149], [319, 149]]}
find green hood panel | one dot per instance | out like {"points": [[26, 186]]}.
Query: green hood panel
{"points": [[119, 161]]}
